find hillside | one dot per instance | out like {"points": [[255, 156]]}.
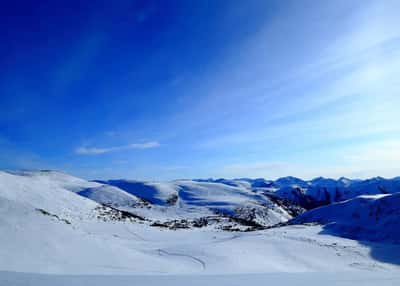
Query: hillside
{"points": [[367, 217]]}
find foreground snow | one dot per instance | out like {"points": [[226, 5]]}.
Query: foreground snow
{"points": [[284, 279], [50, 246]]}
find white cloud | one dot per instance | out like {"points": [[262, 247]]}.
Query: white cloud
{"points": [[96, 150]]}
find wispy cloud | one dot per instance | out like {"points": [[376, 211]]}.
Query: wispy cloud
{"points": [[355, 161], [83, 150]]}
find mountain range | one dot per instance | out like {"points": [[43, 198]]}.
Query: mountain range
{"points": [[55, 223]]}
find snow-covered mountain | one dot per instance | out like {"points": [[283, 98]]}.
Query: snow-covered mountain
{"points": [[323, 191], [194, 200], [51, 222], [52, 192], [176, 204], [256, 202], [310, 194], [367, 217], [229, 204]]}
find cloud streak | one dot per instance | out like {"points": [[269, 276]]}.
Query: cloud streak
{"points": [[360, 161], [97, 150]]}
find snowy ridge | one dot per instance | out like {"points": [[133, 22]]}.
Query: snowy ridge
{"points": [[109, 195], [321, 191], [50, 191], [189, 199], [367, 217]]}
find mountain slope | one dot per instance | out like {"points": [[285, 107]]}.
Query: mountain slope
{"points": [[109, 195], [368, 217], [47, 190], [322, 191], [189, 199]]}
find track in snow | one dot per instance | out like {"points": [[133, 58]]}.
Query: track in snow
{"points": [[162, 252], [134, 234]]}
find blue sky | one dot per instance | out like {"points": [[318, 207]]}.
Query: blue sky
{"points": [[184, 89]]}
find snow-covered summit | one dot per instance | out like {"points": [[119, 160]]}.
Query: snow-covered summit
{"points": [[322, 191], [47, 190]]}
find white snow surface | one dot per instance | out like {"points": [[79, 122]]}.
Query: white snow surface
{"points": [[47, 228], [50, 191], [367, 217], [190, 199], [110, 195], [284, 279]]}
